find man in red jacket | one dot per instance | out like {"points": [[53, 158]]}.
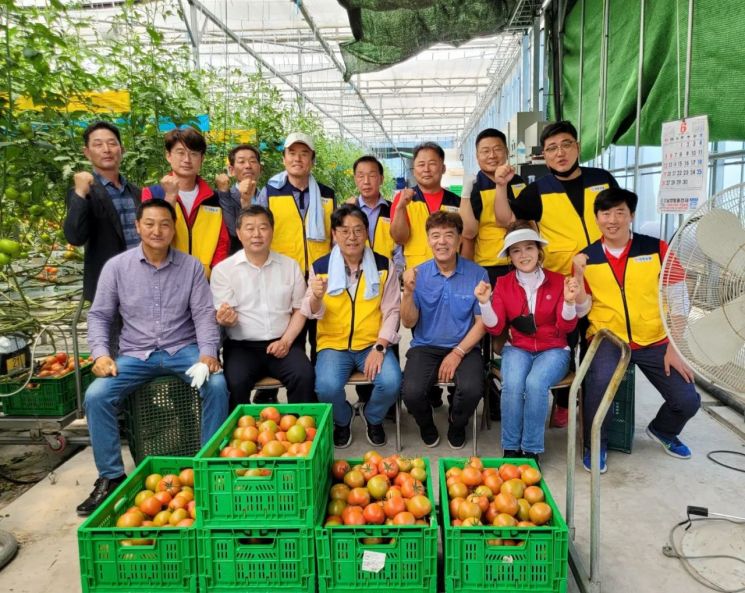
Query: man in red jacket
{"points": [[200, 228]]}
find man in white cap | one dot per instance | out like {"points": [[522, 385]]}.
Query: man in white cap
{"points": [[302, 210], [301, 206]]}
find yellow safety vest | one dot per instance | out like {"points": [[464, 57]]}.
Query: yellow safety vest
{"points": [[631, 309], [350, 322], [417, 249], [490, 238], [567, 234], [290, 230]]}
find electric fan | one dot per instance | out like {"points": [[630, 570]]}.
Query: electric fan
{"points": [[702, 290]]}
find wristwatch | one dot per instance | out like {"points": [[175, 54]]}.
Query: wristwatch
{"points": [[380, 348]]}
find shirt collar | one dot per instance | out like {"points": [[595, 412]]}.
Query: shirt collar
{"points": [[170, 259], [459, 265], [240, 258], [103, 181], [362, 204]]}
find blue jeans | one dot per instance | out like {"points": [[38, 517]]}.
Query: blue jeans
{"points": [[333, 368], [105, 395], [681, 399], [526, 378]]}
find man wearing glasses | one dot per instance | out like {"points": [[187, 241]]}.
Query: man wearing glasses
{"points": [[354, 294], [483, 237], [200, 228], [561, 203]]}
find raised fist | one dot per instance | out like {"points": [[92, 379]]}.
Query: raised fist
{"points": [[82, 181], [222, 182], [410, 280], [504, 174], [169, 183], [318, 286], [247, 187], [407, 194], [482, 292], [579, 262], [571, 289]]}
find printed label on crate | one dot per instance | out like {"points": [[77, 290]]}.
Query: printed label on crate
{"points": [[373, 561]]}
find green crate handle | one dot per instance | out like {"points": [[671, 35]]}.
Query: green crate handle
{"points": [[136, 548], [390, 544], [120, 504], [245, 542]]}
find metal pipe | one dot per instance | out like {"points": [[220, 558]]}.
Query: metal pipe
{"points": [[536, 57], [639, 78], [581, 576], [230, 33], [600, 134], [330, 53], [76, 353], [689, 50]]}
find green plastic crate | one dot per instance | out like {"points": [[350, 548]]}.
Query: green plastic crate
{"points": [[621, 413], [291, 496], [472, 565], [168, 565], [281, 560], [46, 396], [163, 417], [411, 556]]}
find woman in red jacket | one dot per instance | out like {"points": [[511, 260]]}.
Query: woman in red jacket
{"points": [[537, 306]]}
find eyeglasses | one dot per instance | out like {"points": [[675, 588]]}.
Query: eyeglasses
{"points": [[192, 154], [565, 145], [357, 231]]}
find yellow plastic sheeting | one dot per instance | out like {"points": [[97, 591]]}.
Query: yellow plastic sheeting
{"points": [[92, 102], [238, 136]]}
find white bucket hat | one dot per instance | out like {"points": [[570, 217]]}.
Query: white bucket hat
{"points": [[520, 235]]}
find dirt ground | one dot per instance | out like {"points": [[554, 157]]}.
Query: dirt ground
{"points": [[22, 466]]}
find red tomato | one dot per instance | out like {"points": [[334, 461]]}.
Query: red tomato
{"points": [[374, 514]]}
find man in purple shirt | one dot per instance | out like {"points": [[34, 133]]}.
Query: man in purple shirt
{"points": [[169, 328]]}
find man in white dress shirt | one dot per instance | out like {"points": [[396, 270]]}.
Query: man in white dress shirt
{"points": [[257, 293]]}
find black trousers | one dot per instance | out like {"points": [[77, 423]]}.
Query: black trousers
{"points": [[248, 362], [420, 375]]}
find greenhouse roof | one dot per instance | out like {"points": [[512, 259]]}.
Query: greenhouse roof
{"points": [[437, 94]]}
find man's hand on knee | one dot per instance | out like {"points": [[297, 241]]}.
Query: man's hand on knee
{"points": [[104, 366], [212, 363], [673, 360]]}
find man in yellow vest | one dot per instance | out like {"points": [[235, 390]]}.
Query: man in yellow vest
{"points": [[561, 203], [618, 277], [412, 206], [301, 206], [200, 228], [368, 177], [354, 294], [483, 238]]}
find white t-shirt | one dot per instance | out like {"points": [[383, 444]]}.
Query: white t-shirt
{"points": [[188, 198]]}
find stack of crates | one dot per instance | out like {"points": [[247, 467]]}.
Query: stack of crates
{"points": [[408, 554], [476, 560], [257, 531], [137, 559]]}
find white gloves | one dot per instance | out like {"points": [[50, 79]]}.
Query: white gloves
{"points": [[199, 373]]}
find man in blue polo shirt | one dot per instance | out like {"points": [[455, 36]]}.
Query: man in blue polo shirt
{"points": [[439, 305]]}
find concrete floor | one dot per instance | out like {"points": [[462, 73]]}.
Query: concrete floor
{"points": [[643, 496]]}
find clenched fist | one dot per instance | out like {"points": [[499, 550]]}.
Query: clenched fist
{"points": [[571, 289], [318, 286], [169, 183], [407, 194], [222, 182], [226, 316], [409, 280], [504, 174], [83, 181], [579, 262], [482, 292], [247, 189]]}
